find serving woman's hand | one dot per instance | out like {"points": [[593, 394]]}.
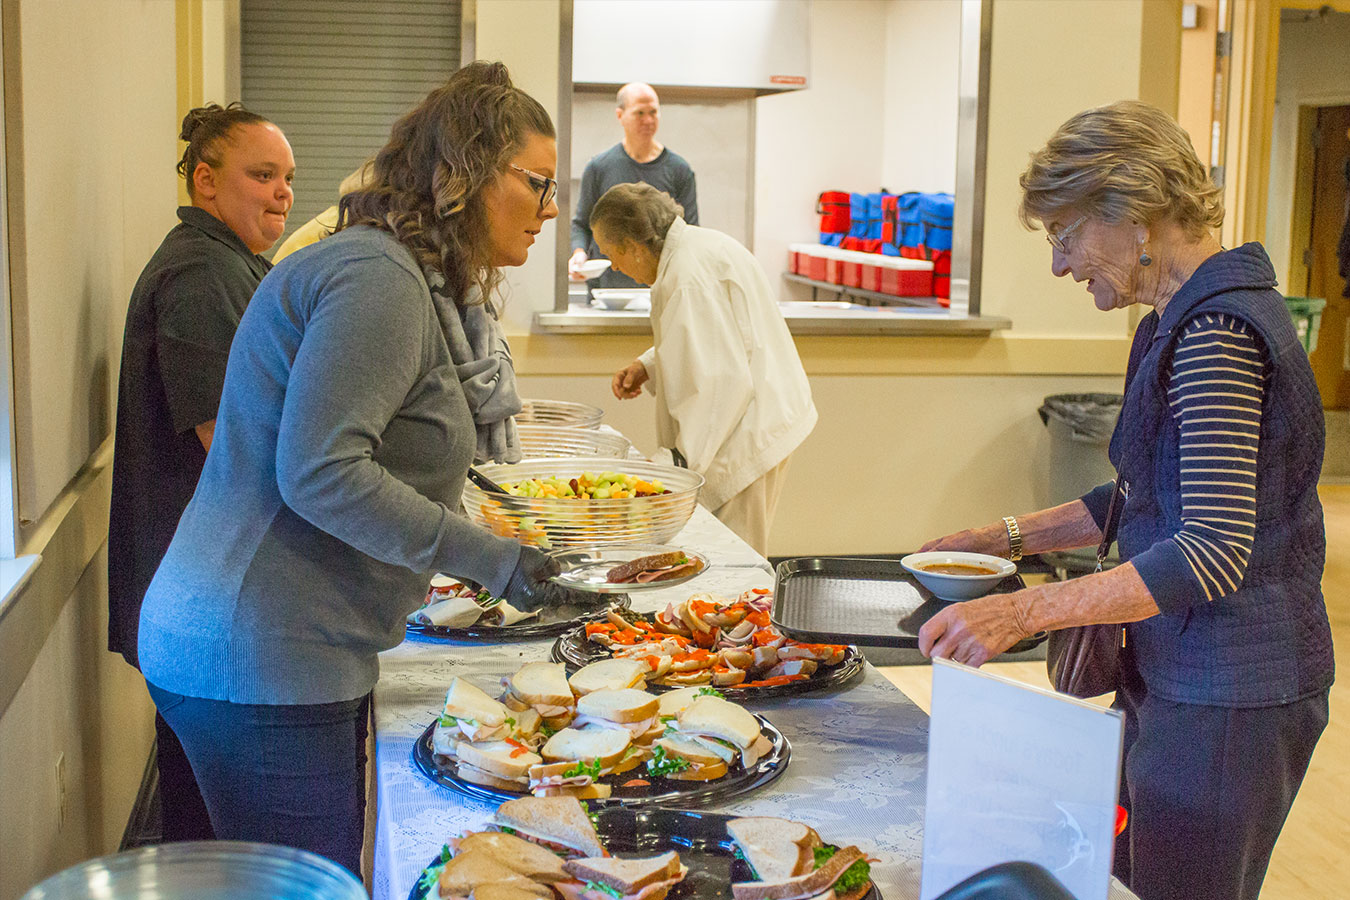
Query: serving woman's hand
{"points": [[629, 380], [975, 631]]}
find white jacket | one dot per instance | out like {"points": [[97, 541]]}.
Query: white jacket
{"points": [[731, 393]]}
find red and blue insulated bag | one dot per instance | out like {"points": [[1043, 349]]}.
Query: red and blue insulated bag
{"points": [[935, 214], [833, 208]]}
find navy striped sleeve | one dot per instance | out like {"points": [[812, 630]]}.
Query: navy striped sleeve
{"points": [[1215, 393]]}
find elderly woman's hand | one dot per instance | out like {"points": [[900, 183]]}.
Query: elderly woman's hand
{"points": [[975, 631], [991, 539], [629, 380]]}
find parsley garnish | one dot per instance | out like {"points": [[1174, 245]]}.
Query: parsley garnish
{"points": [[823, 854], [710, 692], [547, 732], [662, 763], [511, 722]]}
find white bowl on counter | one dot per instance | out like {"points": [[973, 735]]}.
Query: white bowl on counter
{"points": [[957, 574], [619, 298]]}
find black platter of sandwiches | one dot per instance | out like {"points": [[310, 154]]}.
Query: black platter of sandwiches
{"points": [[597, 736], [458, 611], [553, 848]]}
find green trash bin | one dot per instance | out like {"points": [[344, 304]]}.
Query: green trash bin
{"points": [[1307, 315]]}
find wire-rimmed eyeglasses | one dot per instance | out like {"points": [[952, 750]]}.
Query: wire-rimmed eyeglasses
{"points": [[1056, 238]]}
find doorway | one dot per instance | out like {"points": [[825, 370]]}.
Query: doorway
{"points": [[1321, 203]]}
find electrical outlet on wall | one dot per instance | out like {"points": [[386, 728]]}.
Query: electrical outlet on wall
{"points": [[60, 791]]}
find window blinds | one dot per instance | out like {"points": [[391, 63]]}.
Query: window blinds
{"points": [[335, 74]]}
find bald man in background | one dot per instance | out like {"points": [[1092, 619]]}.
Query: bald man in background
{"points": [[638, 157]]}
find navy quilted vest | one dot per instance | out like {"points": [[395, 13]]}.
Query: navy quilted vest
{"points": [[1269, 642]]}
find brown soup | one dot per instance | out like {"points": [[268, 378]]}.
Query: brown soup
{"points": [[958, 569]]}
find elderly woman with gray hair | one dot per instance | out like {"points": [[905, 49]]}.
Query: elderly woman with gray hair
{"points": [[1227, 663], [732, 397]]}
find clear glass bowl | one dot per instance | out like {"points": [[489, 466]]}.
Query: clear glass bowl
{"points": [[559, 412], [554, 441], [204, 870], [554, 523]]}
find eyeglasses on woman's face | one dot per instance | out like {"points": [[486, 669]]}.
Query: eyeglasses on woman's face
{"points": [[547, 187], [1056, 238]]}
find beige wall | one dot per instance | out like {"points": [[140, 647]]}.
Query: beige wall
{"points": [[90, 125]]}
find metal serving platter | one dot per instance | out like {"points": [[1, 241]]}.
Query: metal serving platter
{"points": [[871, 602], [551, 622], [659, 791], [700, 838], [574, 651]]}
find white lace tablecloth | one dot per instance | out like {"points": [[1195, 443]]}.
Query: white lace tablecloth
{"points": [[857, 771]]}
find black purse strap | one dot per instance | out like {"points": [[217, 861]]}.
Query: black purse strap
{"points": [[1112, 523]]}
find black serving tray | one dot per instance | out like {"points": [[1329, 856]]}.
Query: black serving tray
{"points": [[699, 837], [551, 622], [872, 602], [661, 790], [574, 651]]}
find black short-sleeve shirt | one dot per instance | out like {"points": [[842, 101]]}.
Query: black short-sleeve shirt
{"points": [[182, 317]]}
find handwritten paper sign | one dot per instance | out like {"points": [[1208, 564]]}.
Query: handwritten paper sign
{"points": [[1018, 773]]}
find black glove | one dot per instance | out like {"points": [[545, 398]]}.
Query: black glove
{"points": [[529, 587]]}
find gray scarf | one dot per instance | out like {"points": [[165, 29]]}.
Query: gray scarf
{"points": [[482, 360]]}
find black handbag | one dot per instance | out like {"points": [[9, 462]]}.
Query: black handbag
{"points": [[1084, 660]]}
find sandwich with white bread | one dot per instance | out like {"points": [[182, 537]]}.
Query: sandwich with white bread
{"points": [[610, 878], [722, 727], [498, 764], [609, 673], [621, 709], [543, 688], [575, 759], [471, 715], [792, 863]]}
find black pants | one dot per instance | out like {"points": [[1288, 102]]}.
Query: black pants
{"points": [[183, 815], [290, 775], [1207, 789]]}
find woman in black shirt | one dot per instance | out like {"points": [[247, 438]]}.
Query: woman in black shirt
{"points": [[180, 322]]}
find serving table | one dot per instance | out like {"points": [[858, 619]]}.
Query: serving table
{"points": [[857, 772]]}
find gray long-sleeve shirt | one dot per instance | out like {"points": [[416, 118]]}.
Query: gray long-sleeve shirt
{"points": [[669, 172], [341, 444]]}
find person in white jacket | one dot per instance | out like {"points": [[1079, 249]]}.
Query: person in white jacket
{"points": [[732, 397]]}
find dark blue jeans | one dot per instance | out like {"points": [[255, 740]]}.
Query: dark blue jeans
{"points": [[291, 775]]}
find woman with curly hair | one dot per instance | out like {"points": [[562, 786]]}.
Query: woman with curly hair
{"points": [[1227, 661], [365, 377]]}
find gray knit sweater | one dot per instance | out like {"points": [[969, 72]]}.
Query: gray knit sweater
{"points": [[326, 502]]}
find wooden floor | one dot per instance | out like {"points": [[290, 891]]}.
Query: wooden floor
{"points": [[1311, 858]]}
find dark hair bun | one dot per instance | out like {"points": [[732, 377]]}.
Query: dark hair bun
{"points": [[204, 128]]}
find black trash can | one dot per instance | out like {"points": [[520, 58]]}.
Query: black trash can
{"points": [[1080, 428]]}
